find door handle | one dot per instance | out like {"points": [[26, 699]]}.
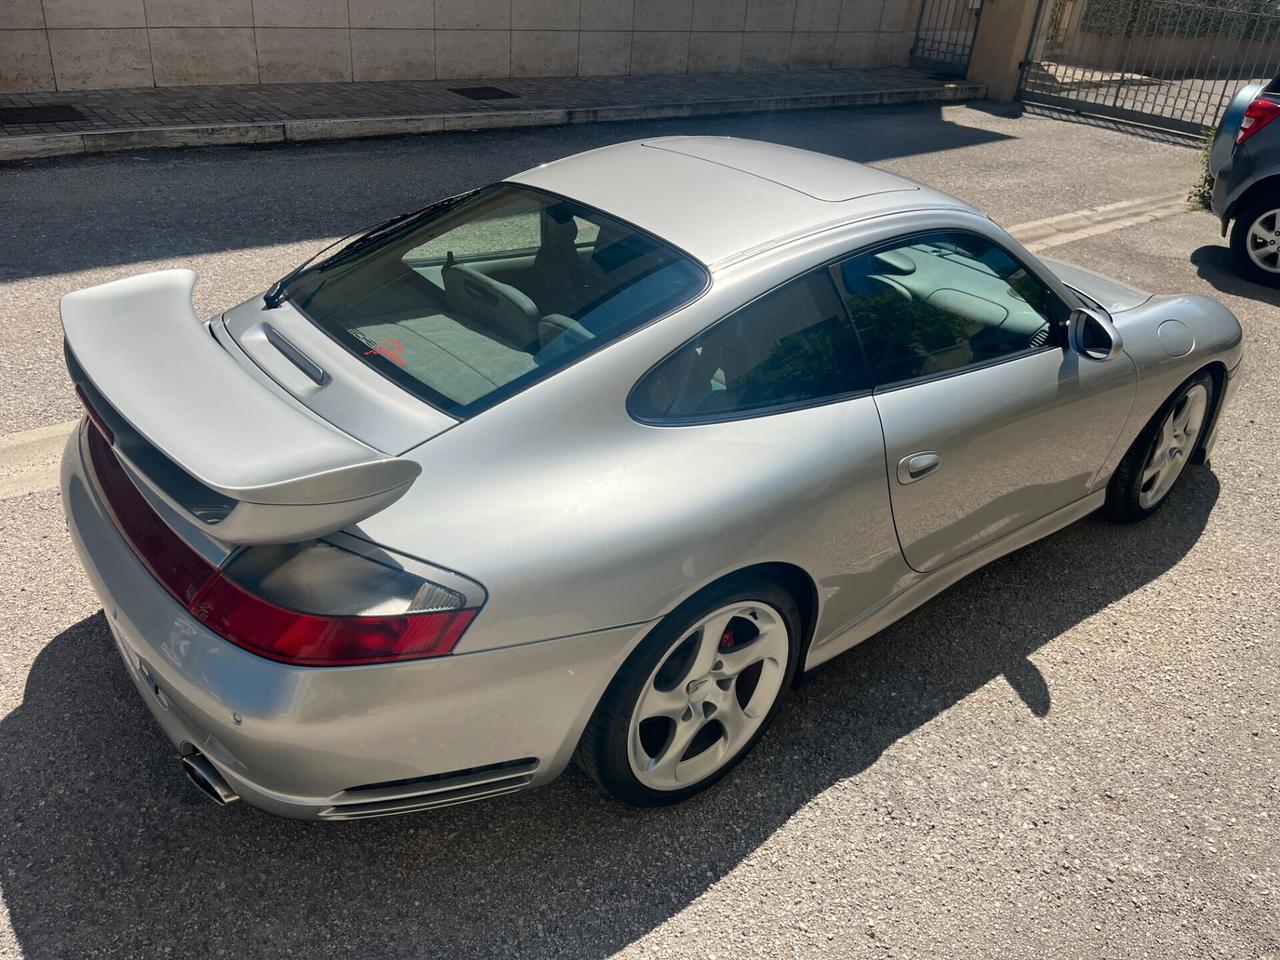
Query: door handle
{"points": [[916, 466]]}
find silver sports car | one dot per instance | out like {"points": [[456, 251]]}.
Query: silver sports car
{"points": [[594, 462]]}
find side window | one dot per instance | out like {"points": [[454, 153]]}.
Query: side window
{"points": [[793, 345], [940, 302]]}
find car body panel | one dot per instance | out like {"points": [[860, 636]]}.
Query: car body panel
{"points": [[1238, 167], [1011, 443], [675, 501], [920, 588], [1110, 294], [1224, 136], [586, 526], [313, 733], [350, 394], [254, 468]]}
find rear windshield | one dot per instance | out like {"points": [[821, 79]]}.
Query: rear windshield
{"points": [[471, 304]]}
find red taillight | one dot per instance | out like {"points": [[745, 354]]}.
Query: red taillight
{"points": [[248, 620], [179, 569], [1256, 116]]}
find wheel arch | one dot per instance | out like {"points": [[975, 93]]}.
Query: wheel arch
{"points": [[790, 577], [1270, 183], [1218, 370]]}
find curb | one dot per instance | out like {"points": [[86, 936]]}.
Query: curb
{"points": [[351, 128]]}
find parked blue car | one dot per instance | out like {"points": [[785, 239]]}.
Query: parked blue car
{"points": [[1245, 164]]}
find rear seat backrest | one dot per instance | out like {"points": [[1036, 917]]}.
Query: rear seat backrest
{"points": [[506, 311]]}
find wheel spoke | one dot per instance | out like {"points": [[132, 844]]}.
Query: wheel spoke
{"points": [[1181, 416], [1153, 470], [664, 765], [737, 725], [662, 703], [704, 764], [733, 662], [709, 645]]}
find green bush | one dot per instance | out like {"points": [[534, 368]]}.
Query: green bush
{"points": [[1235, 19], [1202, 192]]}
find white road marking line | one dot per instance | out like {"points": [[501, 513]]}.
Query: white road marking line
{"points": [[29, 460], [1057, 240], [1080, 224]]}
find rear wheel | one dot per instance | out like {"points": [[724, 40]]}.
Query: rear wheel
{"points": [[1255, 239], [695, 696], [1159, 456]]}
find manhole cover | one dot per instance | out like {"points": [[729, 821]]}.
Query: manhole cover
{"points": [[484, 93], [49, 113]]}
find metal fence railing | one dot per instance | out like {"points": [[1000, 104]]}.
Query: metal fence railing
{"points": [[1168, 63], [944, 35]]}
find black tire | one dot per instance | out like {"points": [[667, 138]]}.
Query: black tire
{"points": [[1124, 491], [1245, 218], [603, 750]]}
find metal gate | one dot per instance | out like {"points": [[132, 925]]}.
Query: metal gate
{"points": [[1167, 63], [944, 35]]}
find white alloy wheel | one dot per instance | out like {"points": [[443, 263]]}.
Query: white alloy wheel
{"points": [[708, 695], [1263, 241], [1173, 446]]}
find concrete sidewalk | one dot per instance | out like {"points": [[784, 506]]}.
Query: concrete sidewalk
{"points": [[96, 121]]}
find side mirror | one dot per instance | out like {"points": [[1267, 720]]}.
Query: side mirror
{"points": [[1093, 335]]}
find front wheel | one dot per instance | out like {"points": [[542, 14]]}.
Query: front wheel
{"points": [[1160, 454], [1255, 239], [695, 696]]}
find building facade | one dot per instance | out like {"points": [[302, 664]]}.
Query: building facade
{"points": [[88, 44]]}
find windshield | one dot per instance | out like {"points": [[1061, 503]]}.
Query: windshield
{"points": [[477, 302]]}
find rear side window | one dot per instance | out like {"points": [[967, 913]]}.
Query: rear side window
{"points": [[474, 303], [793, 346]]}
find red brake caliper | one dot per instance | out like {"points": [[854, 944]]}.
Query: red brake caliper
{"points": [[726, 638]]}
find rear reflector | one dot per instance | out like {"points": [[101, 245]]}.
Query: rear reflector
{"points": [[255, 623], [1256, 116]]}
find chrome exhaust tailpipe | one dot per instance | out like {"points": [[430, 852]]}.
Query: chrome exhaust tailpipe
{"points": [[206, 776]]}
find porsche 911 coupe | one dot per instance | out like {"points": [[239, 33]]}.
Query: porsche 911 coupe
{"points": [[594, 463]]}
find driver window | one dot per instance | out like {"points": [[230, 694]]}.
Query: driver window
{"points": [[940, 302]]}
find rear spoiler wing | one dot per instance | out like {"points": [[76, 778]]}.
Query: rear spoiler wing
{"points": [[244, 464]]}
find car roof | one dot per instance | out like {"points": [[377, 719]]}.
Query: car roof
{"points": [[723, 198]]}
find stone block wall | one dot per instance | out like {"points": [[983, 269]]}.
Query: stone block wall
{"points": [[87, 44]]}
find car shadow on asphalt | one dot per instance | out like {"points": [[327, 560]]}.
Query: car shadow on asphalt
{"points": [[1215, 264], [106, 848]]}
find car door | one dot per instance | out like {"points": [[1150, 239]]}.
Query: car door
{"points": [[778, 431], [990, 421]]}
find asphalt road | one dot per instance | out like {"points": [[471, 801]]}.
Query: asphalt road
{"points": [[1075, 752]]}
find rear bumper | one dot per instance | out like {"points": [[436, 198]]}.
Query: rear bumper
{"points": [[295, 740]]}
